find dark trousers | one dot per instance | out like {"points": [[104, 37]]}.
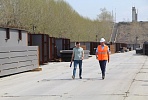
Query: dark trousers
{"points": [[103, 66], [77, 62]]}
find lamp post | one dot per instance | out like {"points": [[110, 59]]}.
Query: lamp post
{"points": [[129, 37], [33, 28], [78, 37], [136, 39], [96, 37]]}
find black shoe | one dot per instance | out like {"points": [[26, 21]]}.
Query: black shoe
{"points": [[103, 77], [80, 77], [73, 77]]}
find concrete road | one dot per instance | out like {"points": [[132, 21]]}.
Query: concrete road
{"points": [[126, 79]]}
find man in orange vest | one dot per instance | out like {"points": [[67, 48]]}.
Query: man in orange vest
{"points": [[102, 54]]}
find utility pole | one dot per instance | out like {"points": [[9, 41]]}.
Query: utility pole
{"points": [[96, 37], [136, 39], [33, 28]]}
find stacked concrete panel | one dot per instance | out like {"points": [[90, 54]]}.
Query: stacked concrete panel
{"points": [[15, 54], [18, 59]]}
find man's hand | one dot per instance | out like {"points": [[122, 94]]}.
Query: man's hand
{"points": [[72, 57], [82, 58], [96, 57], [108, 60], [71, 60]]}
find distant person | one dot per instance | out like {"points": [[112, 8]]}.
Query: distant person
{"points": [[102, 55], [77, 56]]}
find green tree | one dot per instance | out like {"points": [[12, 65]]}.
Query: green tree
{"points": [[54, 17], [106, 20]]}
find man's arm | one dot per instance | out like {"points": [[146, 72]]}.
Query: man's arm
{"points": [[72, 57], [108, 56], [82, 54], [97, 53]]}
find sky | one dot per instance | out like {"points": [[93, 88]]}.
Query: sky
{"points": [[122, 8]]}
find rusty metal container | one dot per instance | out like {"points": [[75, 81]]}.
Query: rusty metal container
{"points": [[52, 49], [123, 45], [130, 46], [91, 46], [139, 51], [136, 46], [66, 54], [113, 48], [62, 44], [72, 45], [118, 47], [42, 41], [145, 48], [66, 43]]}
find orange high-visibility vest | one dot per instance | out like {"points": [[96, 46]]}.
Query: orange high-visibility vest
{"points": [[102, 54]]}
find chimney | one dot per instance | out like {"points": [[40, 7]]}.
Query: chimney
{"points": [[134, 14]]}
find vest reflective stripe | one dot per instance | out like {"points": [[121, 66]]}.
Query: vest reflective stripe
{"points": [[102, 54]]}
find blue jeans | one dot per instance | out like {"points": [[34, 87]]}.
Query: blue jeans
{"points": [[76, 62], [103, 66]]}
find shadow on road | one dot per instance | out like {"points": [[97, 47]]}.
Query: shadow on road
{"points": [[84, 79]]}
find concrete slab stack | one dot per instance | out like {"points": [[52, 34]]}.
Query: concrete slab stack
{"points": [[15, 54]]}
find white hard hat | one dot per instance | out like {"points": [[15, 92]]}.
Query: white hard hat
{"points": [[102, 40]]}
